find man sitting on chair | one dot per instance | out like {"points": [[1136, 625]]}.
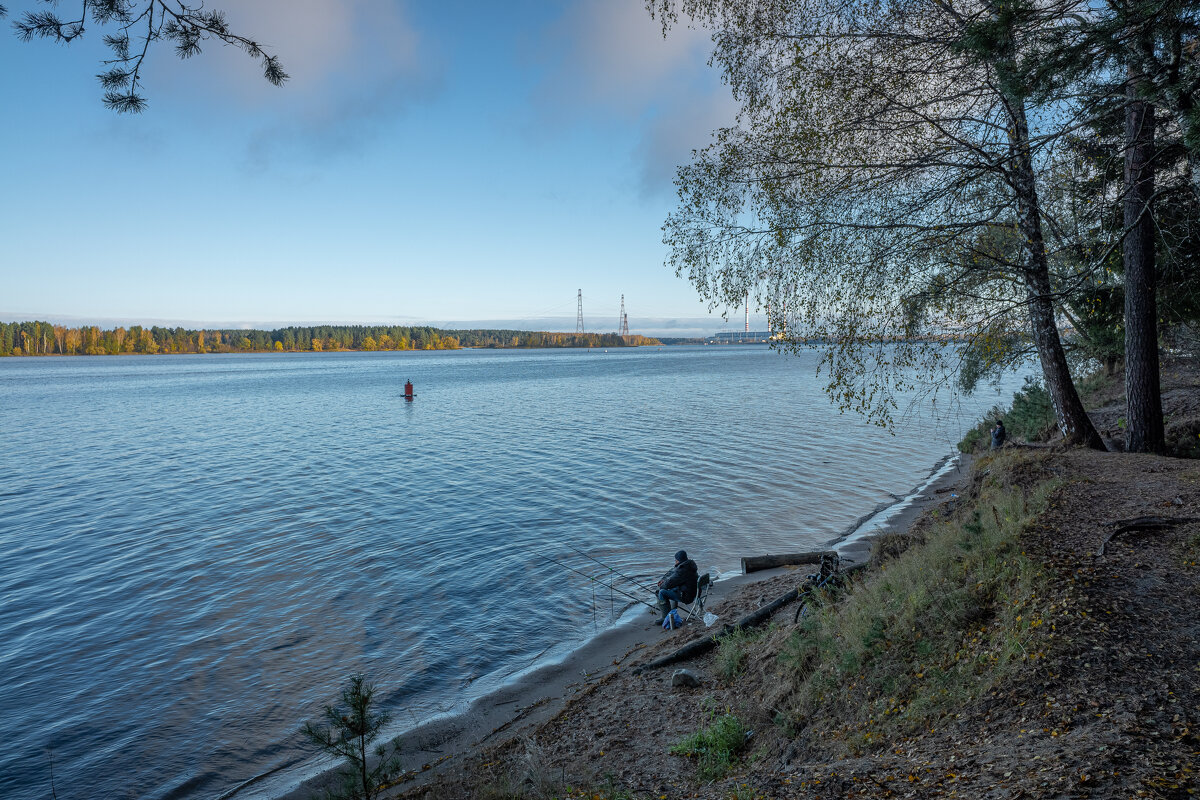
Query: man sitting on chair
{"points": [[678, 585]]}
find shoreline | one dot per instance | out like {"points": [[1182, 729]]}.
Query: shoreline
{"points": [[854, 543], [537, 693]]}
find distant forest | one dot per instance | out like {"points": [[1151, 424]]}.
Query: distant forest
{"points": [[44, 338]]}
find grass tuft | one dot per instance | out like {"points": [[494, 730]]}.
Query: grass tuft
{"points": [[732, 650], [715, 746]]}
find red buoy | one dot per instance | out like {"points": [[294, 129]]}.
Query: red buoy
{"points": [[408, 390]]}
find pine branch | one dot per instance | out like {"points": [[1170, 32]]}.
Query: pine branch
{"points": [[187, 25], [124, 103], [115, 78]]}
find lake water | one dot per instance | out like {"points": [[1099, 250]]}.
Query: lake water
{"points": [[197, 551]]}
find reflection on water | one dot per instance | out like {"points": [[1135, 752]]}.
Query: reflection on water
{"points": [[198, 550]]}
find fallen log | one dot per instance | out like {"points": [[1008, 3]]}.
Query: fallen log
{"points": [[756, 618], [1142, 524], [1150, 523], [706, 643], [756, 563]]}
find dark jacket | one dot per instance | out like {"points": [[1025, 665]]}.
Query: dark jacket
{"points": [[998, 435], [683, 577]]}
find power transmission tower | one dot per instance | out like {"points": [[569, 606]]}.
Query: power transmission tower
{"points": [[579, 314], [624, 327]]}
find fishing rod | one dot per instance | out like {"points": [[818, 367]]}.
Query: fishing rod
{"points": [[594, 579], [613, 571]]}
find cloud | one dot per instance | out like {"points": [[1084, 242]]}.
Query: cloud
{"points": [[612, 54], [670, 137], [325, 46], [606, 58], [355, 66]]}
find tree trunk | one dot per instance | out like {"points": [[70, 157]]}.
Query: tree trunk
{"points": [[1143, 400], [362, 766], [1073, 421]]}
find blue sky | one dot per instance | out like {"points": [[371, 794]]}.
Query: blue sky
{"points": [[427, 162]]}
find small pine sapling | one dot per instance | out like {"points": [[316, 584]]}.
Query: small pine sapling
{"points": [[348, 731]]}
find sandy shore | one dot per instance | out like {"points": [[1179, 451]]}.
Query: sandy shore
{"points": [[542, 693]]}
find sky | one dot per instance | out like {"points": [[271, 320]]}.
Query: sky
{"points": [[428, 162]]}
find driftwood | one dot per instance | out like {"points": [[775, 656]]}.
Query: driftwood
{"points": [[756, 563], [830, 571], [704, 644], [1143, 524]]}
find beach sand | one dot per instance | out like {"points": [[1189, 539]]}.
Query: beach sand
{"points": [[538, 696]]}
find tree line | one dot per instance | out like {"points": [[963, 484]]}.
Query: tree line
{"points": [[45, 338], [1006, 170]]}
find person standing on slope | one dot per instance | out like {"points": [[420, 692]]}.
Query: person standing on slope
{"points": [[998, 435]]}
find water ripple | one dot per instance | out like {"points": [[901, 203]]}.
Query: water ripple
{"points": [[198, 550]]}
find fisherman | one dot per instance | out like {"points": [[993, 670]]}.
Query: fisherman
{"points": [[678, 585], [998, 435]]}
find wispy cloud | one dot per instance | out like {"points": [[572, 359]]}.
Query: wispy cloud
{"points": [[355, 67], [669, 138], [609, 55], [608, 58]]}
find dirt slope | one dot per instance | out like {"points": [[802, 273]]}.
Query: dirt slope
{"points": [[1112, 710]]}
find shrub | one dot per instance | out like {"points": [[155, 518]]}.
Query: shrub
{"points": [[1031, 417], [977, 437], [1032, 414]]}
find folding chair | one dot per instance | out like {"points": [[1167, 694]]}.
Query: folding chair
{"points": [[695, 609]]}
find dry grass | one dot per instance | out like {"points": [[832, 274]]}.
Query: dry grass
{"points": [[732, 652], [936, 628], [535, 779]]}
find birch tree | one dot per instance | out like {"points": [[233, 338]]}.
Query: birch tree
{"points": [[881, 188]]}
